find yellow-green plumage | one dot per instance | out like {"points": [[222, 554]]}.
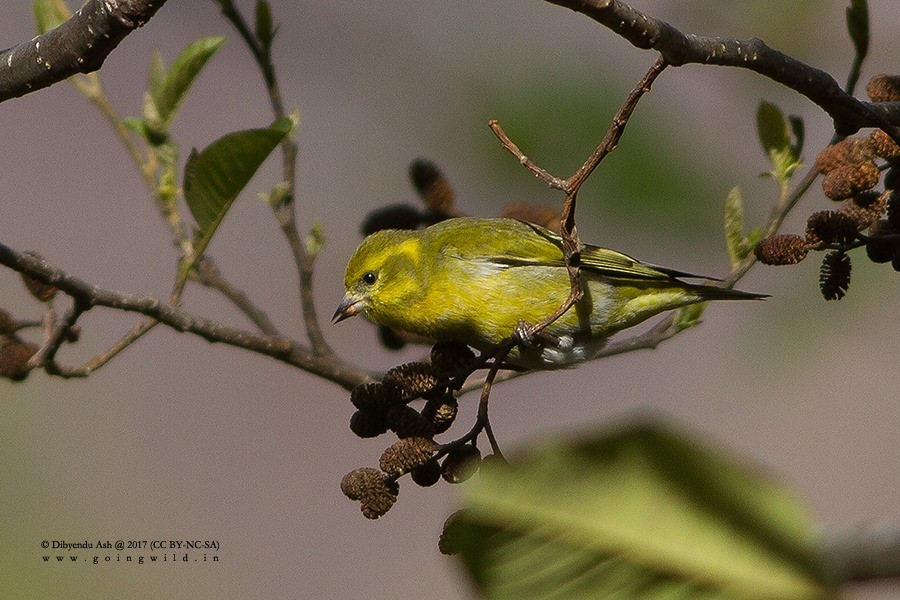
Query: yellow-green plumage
{"points": [[473, 280]]}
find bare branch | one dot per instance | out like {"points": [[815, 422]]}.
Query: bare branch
{"points": [[87, 296], [538, 171], [80, 45], [137, 332], [849, 113], [209, 275]]}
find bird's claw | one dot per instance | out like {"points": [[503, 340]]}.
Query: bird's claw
{"points": [[527, 338]]}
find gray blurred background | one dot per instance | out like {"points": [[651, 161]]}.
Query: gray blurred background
{"points": [[178, 439]]}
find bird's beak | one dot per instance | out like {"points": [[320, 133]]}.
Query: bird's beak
{"points": [[348, 307]]}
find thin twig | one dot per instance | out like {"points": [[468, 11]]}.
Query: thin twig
{"points": [[571, 186], [482, 421], [209, 275], [614, 134], [538, 171], [137, 332]]}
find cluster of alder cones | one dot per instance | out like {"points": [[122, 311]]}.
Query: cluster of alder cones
{"points": [[385, 406], [865, 217]]}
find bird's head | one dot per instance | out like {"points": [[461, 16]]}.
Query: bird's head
{"points": [[382, 277]]}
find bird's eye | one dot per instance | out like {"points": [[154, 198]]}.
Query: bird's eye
{"points": [[369, 277]]}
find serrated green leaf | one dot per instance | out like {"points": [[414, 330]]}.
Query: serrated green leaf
{"points": [[49, 14], [265, 30], [182, 74], [734, 225], [157, 76], [214, 177], [858, 26], [641, 513]]}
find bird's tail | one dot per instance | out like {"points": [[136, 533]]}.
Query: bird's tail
{"points": [[713, 292]]}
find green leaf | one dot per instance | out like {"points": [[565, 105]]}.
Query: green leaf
{"points": [[734, 226], [135, 125], [858, 26], [689, 316], [772, 128], [49, 14], [753, 238], [155, 131], [315, 241], [265, 31], [182, 74], [157, 77], [642, 512], [214, 177]]}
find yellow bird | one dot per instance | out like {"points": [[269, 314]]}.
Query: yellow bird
{"points": [[475, 280]]}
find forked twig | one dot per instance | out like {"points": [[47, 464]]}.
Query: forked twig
{"points": [[571, 185], [568, 230]]}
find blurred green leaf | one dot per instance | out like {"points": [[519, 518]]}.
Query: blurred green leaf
{"points": [[156, 79], [734, 226], [182, 74], [772, 128], [753, 238], [135, 125], [643, 512], [154, 130], [315, 241], [689, 316], [214, 177], [858, 26], [265, 30], [49, 14]]}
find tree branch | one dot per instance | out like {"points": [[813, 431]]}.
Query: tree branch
{"points": [[849, 113], [87, 296], [209, 275], [80, 45]]}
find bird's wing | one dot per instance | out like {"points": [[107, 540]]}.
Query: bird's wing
{"points": [[514, 243], [606, 262], [615, 264]]}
